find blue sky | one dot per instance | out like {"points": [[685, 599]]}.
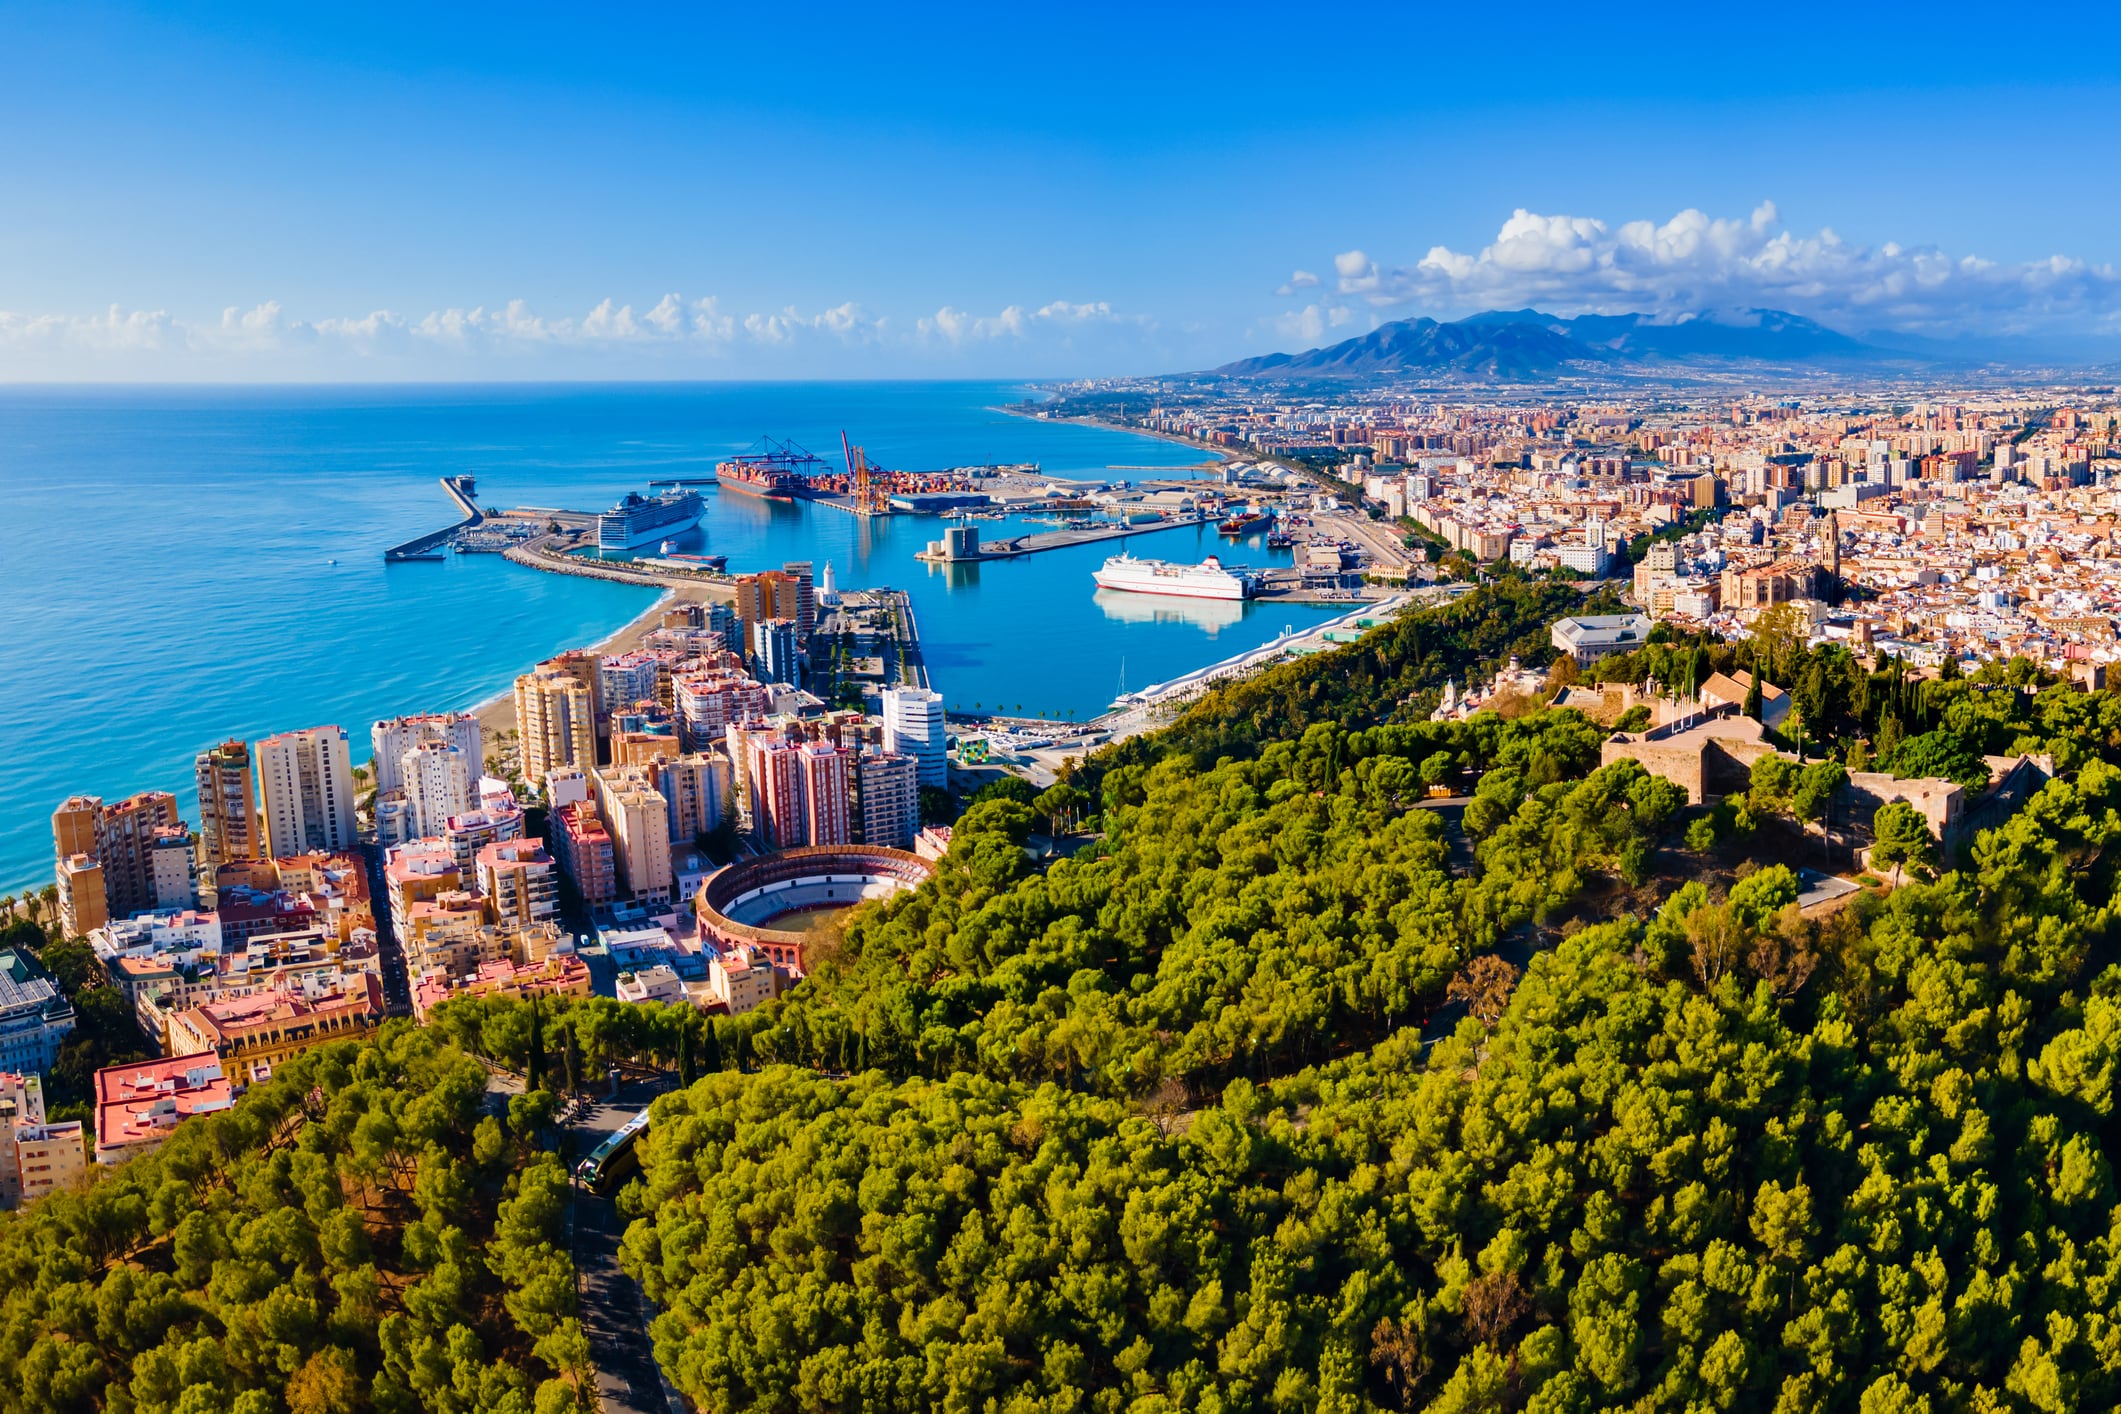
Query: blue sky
{"points": [[524, 191]]}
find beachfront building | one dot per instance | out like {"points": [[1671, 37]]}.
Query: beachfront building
{"points": [[173, 869], [583, 848], [138, 1105], [228, 806], [35, 1015], [83, 906], [112, 846], [887, 789], [914, 726], [555, 720], [306, 792], [392, 739]]}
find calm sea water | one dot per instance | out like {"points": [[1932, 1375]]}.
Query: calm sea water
{"points": [[180, 566]]}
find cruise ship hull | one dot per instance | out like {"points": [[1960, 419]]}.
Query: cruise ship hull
{"points": [[1208, 580], [1132, 585], [652, 535]]}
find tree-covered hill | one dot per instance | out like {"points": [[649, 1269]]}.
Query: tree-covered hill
{"points": [[1247, 1105], [1722, 1158], [356, 1234]]}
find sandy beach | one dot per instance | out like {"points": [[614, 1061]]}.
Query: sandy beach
{"points": [[497, 714]]}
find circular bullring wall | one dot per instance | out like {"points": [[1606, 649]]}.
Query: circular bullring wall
{"points": [[740, 903]]}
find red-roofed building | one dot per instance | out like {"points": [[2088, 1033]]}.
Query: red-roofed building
{"points": [[559, 975], [138, 1105]]}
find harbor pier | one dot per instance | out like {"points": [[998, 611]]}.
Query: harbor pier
{"points": [[463, 491], [1032, 544]]}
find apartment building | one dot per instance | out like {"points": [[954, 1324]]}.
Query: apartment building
{"points": [[555, 720], [228, 805], [306, 792], [393, 738], [638, 819], [520, 882]]}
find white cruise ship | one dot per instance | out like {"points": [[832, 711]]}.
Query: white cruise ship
{"points": [[637, 520], [1207, 580]]}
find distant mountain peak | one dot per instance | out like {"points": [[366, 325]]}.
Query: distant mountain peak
{"points": [[1526, 345]]}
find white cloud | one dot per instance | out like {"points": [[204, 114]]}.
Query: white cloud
{"points": [[1298, 280], [955, 326], [1312, 322], [265, 340], [1575, 264]]}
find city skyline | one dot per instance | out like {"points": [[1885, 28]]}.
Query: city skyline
{"points": [[400, 195]]}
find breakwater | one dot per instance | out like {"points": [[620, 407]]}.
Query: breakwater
{"points": [[462, 490]]}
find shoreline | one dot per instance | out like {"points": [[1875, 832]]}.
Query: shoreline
{"points": [[497, 713], [1221, 454]]}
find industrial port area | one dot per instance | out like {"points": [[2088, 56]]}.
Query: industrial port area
{"points": [[1337, 555]]}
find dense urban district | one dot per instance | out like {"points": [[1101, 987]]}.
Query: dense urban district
{"points": [[1667, 964]]}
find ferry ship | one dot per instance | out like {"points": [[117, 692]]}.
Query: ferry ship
{"points": [[641, 520], [1209, 579]]}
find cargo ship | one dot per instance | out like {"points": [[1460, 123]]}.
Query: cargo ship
{"points": [[643, 520], [781, 472], [1241, 522], [1210, 579]]}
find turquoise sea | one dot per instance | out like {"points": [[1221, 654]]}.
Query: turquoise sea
{"points": [[182, 565]]}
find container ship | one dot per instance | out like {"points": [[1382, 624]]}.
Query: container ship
{"points": [[780, 473], [1209, 579], [643, 520]]}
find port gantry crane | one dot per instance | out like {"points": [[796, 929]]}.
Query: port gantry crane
{"points": [[869, 496]]}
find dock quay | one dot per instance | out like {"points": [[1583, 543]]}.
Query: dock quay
{"points": [[912, 667], [539, 555], [463, 491], [1054, 540]]}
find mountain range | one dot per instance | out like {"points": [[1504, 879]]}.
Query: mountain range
{"points": [[1524, 345]]}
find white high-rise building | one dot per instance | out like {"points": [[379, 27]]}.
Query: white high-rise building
{"points": [[392, 739], [914, 726], [306, 792], [438, 781]]}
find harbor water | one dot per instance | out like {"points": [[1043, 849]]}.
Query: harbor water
{"points": [[186, 565]]}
